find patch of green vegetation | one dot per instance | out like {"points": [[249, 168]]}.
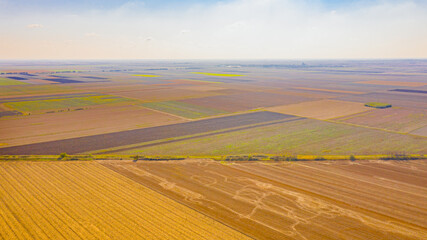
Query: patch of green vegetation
{"points": [[378, 105], [218, 74], [305, 137], [145, 75], [35, 89], [30, 106], [183, 109], [8, 82]]}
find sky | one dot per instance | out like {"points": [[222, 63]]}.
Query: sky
{"points": [[211, 29]]}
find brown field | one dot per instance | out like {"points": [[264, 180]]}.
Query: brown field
{"points": [[62, 125], [322, 109], [161, 93], [395, 119], [329, 90], [84, 200], [202, 88], [394, 83], [421, 131], [297, 200], [246, 101]]}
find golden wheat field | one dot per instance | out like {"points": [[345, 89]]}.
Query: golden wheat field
{"points": [[85, 200]]}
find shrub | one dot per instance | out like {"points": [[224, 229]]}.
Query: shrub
{"points": [[378, 105]]}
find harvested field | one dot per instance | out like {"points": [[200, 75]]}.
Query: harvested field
{"points": [[394, 83], [39, 81], [202, 88], [421, 131], [246, 101], [396, 99], [123, 138], [164, 93], [328, 90], [84, 200], [322, 109], [182, 109], [310, 200], [395, 119], [71, 124], [305, 137]]}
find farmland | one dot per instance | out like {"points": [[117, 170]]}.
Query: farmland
{"points": [[37, 105], [269, 149], [312, 200], [183, 109], [72, 200], [291, 138]]}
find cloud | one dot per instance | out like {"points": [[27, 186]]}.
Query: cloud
{"points": [[92, 34], [34, 26], [237, 29]]}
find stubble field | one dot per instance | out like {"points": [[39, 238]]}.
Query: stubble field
{"points": [[304, 200], [84, 200]]}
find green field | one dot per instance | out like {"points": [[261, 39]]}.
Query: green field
{"points": [[35, 89], [377, 105], [307, 137], [8, 82], [183, 109], [32, 106], [218, 74]]}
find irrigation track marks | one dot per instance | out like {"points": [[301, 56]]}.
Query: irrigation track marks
{"points": [[129, 137]]}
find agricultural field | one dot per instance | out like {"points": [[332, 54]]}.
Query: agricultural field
{"points": [[291, 138], [7, 82], [218, 74], [286, 117], [182, 109], [85, 200], [297, 200], [394, 119], [92, 121], [322, 109], [128, 137], [65, 103]]}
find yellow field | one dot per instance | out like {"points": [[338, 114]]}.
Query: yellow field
{"points": [[84, 200], [218, 74], [145, 75]]}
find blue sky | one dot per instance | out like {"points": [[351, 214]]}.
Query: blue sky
{"points": [[232, 29]]}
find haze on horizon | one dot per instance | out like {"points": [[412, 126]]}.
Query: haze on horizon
{"points": [[229, 29]]}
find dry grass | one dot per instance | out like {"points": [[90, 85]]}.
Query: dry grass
{"points": [[84, 200]]}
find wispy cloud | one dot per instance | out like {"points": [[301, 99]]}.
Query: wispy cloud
{"points": [[34, 26]]}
